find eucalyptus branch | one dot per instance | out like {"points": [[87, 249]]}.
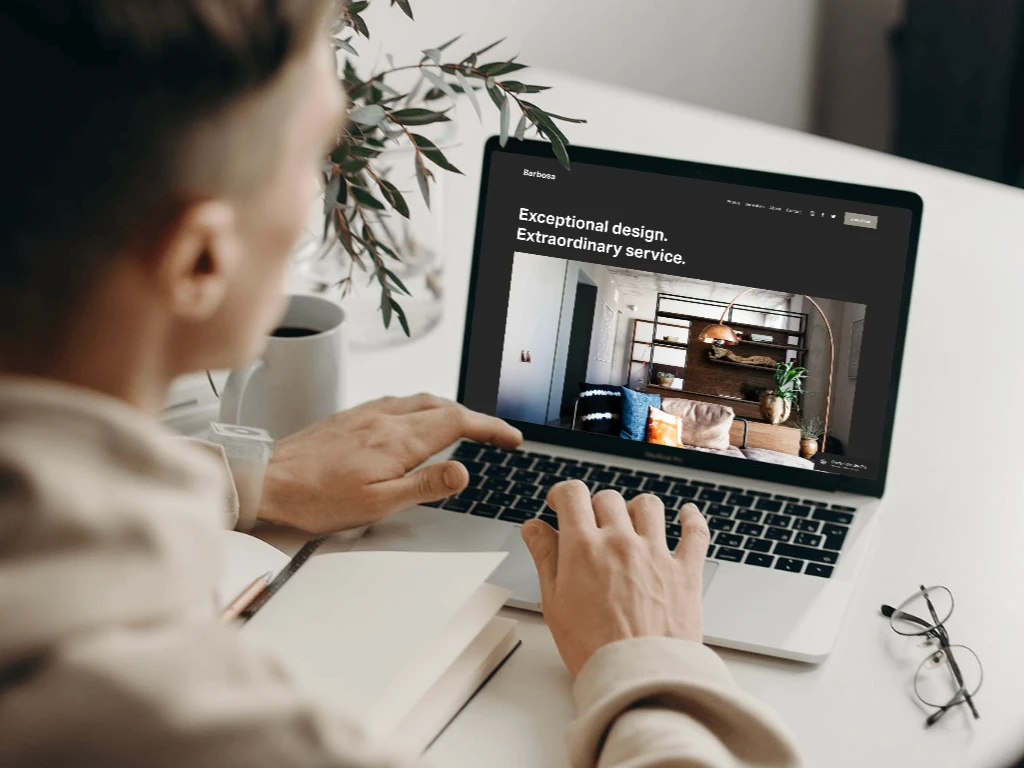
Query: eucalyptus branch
{"points": [[359, 198]]}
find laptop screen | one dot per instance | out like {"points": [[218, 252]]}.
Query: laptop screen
{"points": [[737, 321]]}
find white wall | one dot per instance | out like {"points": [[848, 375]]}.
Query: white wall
{"points": [[601, 371], [535, 300], [749, 57]]}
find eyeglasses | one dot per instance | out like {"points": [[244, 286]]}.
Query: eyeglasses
{"points": [[950, 674]]}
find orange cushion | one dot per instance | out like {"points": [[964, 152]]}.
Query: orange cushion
{"points": [[663, 428], [702, 425]]}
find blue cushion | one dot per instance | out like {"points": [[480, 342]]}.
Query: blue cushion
{"points": [[634, 413]]}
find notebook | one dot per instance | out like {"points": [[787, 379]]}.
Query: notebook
{"points": [[400, 640]]}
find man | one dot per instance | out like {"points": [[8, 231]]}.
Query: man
{"points": [[158, 159]]}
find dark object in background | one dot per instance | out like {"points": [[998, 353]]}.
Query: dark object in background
{"points": [[834, 446], [599, 409], [960, 86]]}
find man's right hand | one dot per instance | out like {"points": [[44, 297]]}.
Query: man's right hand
{"points": [[606, 574]]}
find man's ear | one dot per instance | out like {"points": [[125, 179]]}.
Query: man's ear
{"points": [[196, 260]]}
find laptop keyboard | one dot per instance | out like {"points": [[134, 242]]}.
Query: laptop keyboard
{"points": [[747, 526]]}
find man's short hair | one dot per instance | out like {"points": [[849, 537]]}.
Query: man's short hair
{"points": [[100, 100]]}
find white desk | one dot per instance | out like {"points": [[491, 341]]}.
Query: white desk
{"points": [[953, 511]]}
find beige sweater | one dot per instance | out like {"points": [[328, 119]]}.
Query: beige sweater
{"points": [[111, 651]]}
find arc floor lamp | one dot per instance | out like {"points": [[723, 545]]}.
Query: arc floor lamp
{"points": [[721, 334]]}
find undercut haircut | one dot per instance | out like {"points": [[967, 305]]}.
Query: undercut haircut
{"points": [[104, 103]]}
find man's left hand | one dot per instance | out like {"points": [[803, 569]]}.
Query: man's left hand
{"points": [[355, 467]]}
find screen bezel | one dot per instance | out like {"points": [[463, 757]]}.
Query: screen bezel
{"points": [[759, 179]]}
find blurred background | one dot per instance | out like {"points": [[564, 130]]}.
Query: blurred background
{"points": [[939, 81]]}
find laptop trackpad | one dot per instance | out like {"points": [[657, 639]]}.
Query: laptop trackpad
{"points": [[517, 572], [710, 569]]}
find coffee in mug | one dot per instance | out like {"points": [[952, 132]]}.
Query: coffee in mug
{"points": [[298, 379]]}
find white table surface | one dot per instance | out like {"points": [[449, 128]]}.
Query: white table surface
{"points": [[952, 510]]}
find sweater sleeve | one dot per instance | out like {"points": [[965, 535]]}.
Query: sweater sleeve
{"points": [[191, 694], [231, 503], [662, 702]]}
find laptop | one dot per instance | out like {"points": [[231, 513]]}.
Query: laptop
{"points": [[713, 335]]}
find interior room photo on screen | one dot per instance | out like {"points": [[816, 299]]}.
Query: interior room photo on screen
{"points": [[625, 353]]}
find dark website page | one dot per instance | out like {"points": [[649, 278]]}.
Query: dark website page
{"points": [[596, 287]]}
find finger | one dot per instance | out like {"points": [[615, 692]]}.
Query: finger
{"points": [[610, 511], [424, 401], [542, 541], [430, 483], [431, 430], [570, 499], [693, 546], [647, 512]]}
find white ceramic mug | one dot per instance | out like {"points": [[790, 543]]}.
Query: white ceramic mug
{"points": [[298, 379]]}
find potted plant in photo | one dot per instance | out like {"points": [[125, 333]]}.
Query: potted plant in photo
{"points": [[387, 150], [811, 430], [777, 403]]}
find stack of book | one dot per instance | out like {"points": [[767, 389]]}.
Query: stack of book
{"points": [[403, 640]]}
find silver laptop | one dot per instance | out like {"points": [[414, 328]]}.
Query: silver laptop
{"points": [[712, 335]]}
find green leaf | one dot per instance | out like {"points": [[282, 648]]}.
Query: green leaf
{"points": [[393, 196], [439, 82], [512, 86], [404, 5], [418, 116], [359, 25], [434, 54], [566, 119], [445, 45], [367, 199], [362, 151], [423, 177], [346, 45], [370, 114], [341, 152], [496, 68], [401, 317], [394, 279], [503, 125], [497, 95], [521, 127], [557, 146], [358, 7], [352, 165], [350, 72], [331, 195], [432, 153], [464, 84], [385, 306], [485, 49], [540, 117]]}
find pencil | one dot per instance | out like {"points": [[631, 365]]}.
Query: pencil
{"points": [[245, 597]]}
